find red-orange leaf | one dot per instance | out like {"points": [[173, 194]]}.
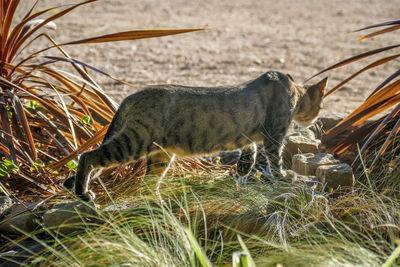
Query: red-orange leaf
{"points": [[363, 115], [386, 81], [389, 29], [89, 143], [20, 112], [24, 37], [370, 66], [385, 145], [379, 128], [353, 59], [383, 94], [9, 14], [130, 35], [387, 23]]}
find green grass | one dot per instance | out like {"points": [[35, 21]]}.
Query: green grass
{"points": [[200, 221]]}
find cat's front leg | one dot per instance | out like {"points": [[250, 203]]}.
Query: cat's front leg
{"points": [[247, 160], [273, 146], [157, 163], [273, 151]]}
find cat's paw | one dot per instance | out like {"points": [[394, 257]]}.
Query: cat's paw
{"points": [[87, 197], [265, 173], [289, 175], [69, 183], [242, 180], [244, 168]]}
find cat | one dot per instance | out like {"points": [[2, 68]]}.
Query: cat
{"points": [[203, 120]]}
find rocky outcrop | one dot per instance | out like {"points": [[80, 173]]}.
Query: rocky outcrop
{"points": [[67, 217], [5, 204], [298, 144], [21, 218], [336, 176], [307, 164]]}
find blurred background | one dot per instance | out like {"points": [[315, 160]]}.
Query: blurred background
{"points": [[243, 40]]}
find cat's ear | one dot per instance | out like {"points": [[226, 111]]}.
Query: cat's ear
{"points": [[322, 84]]}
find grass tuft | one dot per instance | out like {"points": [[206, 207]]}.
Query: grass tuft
{"points": [[195, 222]]}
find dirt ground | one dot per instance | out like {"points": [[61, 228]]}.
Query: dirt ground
{"points": [[243, 40]]}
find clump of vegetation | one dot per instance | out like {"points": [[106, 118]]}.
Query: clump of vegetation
{"points": [[192, 222], [48, 114], [377, 140]]}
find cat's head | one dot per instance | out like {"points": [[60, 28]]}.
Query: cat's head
{"points": [[310, 103]]}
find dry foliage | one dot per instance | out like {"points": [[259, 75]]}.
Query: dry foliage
{"points": [[386, 96], [48, 115]]}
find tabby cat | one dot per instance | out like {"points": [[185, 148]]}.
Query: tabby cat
{"points": [[196, 120]]}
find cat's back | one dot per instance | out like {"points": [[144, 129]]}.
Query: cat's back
{"points": [[262, 89], [268, 79], [197, 91]]}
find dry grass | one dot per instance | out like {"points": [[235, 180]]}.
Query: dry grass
{"points": [[190, 220]]}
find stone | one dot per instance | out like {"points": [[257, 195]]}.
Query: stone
{"points": [[307, 164], [128, 210], [120, 208], [310, 181], [297, 144], [330, 119], [5, 205], [335, 176], [229, 157], [67, 217], [22, 218], [296, 129]]}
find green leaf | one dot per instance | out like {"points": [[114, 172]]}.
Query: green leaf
{"points": [[38, 145], [38, 163], [9, 112], [198, 250], [217, 161], [243, 258], [72, 165], [239, 259], [33, 104], [395, 254], [7, 167], [87, 120]]}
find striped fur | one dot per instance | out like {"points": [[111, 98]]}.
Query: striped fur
{"points": [[195, 120]]}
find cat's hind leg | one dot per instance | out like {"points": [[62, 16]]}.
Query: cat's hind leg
{"points": [[157, 162], [246, 162], [119, 149]]}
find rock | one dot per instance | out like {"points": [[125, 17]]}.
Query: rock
{"points": [[307, 164], [335, 176], [21, 217], [330, 119], [120, 208], [229, 157], [19, 253], [297, 144], [127, 210], [326, 121], [310, 181], [296, 129], [66, 217], [5, 205]]}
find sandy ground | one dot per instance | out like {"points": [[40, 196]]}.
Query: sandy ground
{"points": [[243, 40]]}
